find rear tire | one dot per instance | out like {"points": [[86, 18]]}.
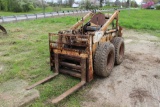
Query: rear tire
{"points": [[119, 45], [104, 59]]}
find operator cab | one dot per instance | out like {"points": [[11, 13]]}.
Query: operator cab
{"points": [[96, 22]]}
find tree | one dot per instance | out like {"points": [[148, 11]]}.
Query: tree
{"points": [[134, 3], [101, 1], [71, 2], [17, 5], [66, 3], [60, 2], [128, 3], [148, 4], [43, 6], [117, 3]]}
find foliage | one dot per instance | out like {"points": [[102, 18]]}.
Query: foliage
{"points": [[117, 3], [134, 4], [127, 3], [101, 1], [59, 1], [131, 3], [16, 5], [155, 1], [40, 3], [109, 7], [158, 7], [70, 2], [87, 5], [37, 10], [148, 4]]}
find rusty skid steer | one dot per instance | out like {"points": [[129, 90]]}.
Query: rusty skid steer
{"points": [[85, 49]]}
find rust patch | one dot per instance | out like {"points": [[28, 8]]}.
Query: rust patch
{"points": [[98, 19]]}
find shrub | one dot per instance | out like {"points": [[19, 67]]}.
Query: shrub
{"points": [[16, 5], [158, 7], [88, 5]]}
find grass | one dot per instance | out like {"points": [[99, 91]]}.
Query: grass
{"points": [[37, 10], [25, 55], [141, 20]]}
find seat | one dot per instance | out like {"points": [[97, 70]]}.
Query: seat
{"points": [[96, 22]]}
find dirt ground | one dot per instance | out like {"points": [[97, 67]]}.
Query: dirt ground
{"points": [[134, 83], [14, 94]]}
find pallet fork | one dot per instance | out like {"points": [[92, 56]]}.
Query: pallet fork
{"points": [[82, 58]]}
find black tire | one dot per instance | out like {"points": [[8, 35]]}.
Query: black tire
{"points": [[119, 45], [104, 59]]}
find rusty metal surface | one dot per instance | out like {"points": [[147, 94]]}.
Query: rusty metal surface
{"points": [[98, 19], [70, 58], [120, 31], [70, 53], [71, 73], [73, 35], [80, 22], [71, 44], [109, 21], [68, 92], [56, 58], [83, 69], [90, 61], [70, 65]]}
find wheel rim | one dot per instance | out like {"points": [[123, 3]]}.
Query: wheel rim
{"points": [[121, 51], [110, 60]]}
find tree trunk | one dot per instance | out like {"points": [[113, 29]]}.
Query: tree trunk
{"points": [[101, 3]]}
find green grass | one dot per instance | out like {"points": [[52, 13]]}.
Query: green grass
{"points": [[37, 10], [109, 7], [141, 20], [25, 54]]}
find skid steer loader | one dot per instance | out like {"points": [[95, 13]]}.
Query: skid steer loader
{"points": [[85, 49]]}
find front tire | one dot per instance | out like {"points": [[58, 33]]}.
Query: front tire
{"points": [[104, 59]]}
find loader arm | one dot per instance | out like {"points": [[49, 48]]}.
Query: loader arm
{"points": [[80, 22], [114, 16], [99, 34]]}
